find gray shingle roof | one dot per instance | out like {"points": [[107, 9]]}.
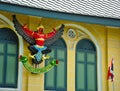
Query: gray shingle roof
{"points": [[101, 8]]}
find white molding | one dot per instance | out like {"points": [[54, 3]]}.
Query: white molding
{"points": [[19, 87], [99, 54]]}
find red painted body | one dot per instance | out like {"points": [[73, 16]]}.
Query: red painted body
{"points": [[39, 36]]}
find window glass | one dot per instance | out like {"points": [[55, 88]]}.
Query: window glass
{"points": [[8, 58], [91, 77], [90, 57], [80, 77], [10, 70], [50, 75], [11, 48], [60, 54], [80, 56], [86, 77], [50, 78], [52, 53], [55, 79], [1, 68], [60, 75], [1, 47]]}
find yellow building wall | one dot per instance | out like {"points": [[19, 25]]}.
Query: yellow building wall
{"points": [[108, 39]]}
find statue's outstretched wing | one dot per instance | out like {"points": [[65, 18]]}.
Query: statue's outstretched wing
{"points": [[20, 31], [58, 35]]}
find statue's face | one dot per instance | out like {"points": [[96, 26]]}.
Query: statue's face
{"points": [[40, 30]]}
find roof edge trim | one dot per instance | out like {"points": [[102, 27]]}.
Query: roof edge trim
{"points": [[58, 15]]}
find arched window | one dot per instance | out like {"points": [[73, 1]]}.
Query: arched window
{"points": [[8, 58], [86, 66], [56, 78]]}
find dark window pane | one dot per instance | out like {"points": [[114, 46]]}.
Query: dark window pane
{"points": [[80, 56], [86, 66], [60, 54], [55, 79], [50, 78], [61, 75], [11, 48], [90, 57], [52, 53], [91, 77], [1, 47], [1, 68], [80, 77], [8, 58], [10, 71]]}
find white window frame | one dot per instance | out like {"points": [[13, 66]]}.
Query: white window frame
{"points": [[20, 40]]}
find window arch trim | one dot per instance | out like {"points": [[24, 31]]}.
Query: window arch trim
{"points": [[20, 40], [85, 62]]}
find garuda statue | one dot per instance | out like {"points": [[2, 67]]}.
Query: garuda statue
{"points": [[39, 42]]}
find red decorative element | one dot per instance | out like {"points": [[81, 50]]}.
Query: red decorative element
{"points": [[20, 56], [39, 36], [57, 61], [27, 31], [110, 74]]}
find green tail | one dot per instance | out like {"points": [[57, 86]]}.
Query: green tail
{"points": [[30, 68]]}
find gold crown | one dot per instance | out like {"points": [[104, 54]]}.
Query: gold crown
{"points": [[41, 26]]}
